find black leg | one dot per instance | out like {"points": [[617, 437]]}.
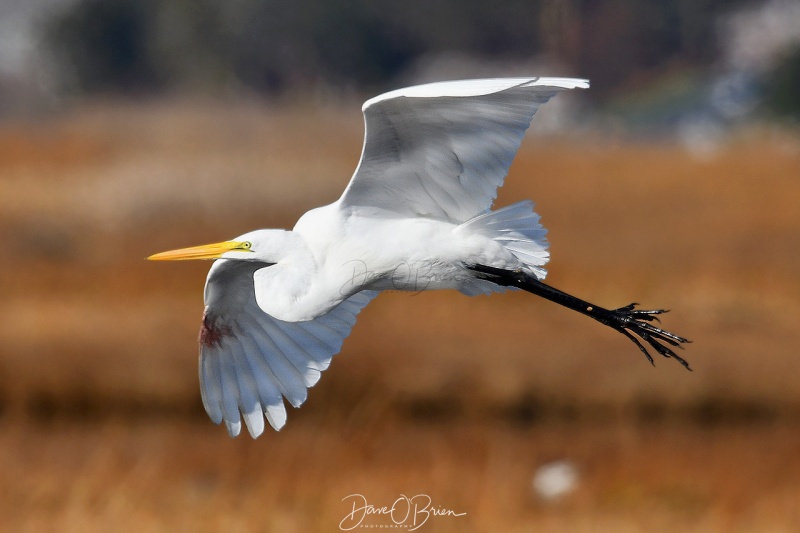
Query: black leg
{"points": [[627, 320]]}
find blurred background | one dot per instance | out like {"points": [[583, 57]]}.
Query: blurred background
{"points": [[129, 127]]}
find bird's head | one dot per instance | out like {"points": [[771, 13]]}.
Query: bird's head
{"points": [[259, 245]]}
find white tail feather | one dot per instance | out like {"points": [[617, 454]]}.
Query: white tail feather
{"points": [[517, 228]]}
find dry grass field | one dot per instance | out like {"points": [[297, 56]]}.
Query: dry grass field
{"points": [[101, 426]]}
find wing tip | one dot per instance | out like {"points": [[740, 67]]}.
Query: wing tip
{"points": [[561, 83], [233, 427], [477, 87], [276, 415], [255, 421]]}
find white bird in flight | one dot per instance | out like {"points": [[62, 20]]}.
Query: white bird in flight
{"points": [[415, 216]]}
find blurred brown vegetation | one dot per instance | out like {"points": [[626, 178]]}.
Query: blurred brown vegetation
{"points": [[101, 426]]}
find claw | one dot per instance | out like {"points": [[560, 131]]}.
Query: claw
{"points": [[630, 322], [639, 344], [646, 316], [667, 336], [683, 361]]}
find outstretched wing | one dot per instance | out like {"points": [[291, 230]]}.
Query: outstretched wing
{"points": [[441, 150], [250, 361]]}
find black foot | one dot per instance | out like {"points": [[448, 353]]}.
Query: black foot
{"points": [[627, 320], [630, 321]]}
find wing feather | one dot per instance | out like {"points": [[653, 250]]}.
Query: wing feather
{"points": [[211, 386], [230, 393], [315, 348], [266, 382], [288, 378], [249, 402], [250, 361], [271, 398], [441, 150], [295, 354]]}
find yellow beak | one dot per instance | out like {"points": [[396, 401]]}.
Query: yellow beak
{"points": [[206, 251]]}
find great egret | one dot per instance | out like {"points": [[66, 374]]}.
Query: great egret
{"points": [[415, 216]]}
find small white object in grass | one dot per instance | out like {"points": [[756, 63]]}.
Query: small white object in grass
{"points": [[555, 480]]}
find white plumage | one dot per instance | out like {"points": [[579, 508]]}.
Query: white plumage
{"points": [[415, 216]]}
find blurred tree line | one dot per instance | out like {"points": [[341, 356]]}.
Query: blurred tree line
{"points": [[272, 46], [782, 96]]}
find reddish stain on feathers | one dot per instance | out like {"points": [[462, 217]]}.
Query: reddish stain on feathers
{"points": [[212, 333]]}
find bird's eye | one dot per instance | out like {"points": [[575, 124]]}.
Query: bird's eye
{"points": [[246, 245]]}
